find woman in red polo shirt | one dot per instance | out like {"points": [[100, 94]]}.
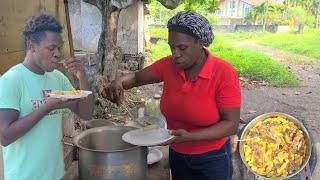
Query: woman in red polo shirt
{"points": [[201, 100]]}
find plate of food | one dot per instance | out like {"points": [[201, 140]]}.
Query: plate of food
{"points": [[72, 94], [149, 136], [275, 146]]}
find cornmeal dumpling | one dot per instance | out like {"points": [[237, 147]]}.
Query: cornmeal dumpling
{"points": [[71, 92]]}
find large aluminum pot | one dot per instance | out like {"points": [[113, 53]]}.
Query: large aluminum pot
{"points": [[273, 114], [104, 155]]}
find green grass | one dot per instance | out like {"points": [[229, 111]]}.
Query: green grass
{"points": [[255, 65], [161, 33], [239, 35], [249, 64], [307, 43], [159, 50]]}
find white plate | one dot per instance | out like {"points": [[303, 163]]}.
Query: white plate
{"points": [[154, 155], [86, 93], [151, 137]]}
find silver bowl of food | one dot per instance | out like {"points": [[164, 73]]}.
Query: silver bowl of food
{"points": [[275, 146]]}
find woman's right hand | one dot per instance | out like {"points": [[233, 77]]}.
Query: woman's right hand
{"points": [[114, 92]]}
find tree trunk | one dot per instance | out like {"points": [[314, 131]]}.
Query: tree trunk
{"points": [[108, 53], [103, 7], [266, 10], [170, 4], [316, 24], [300, 28], [113, 52]]}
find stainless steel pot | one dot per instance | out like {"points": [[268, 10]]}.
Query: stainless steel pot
{"points": [[104, 155], [273, 114]]}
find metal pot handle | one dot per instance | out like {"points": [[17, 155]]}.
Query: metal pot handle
{"points": [[69, 144], [75, 149], [63, 140]]}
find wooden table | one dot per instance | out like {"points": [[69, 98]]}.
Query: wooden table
{"points": [[157, 171]]}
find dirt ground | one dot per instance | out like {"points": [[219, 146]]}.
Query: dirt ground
{"points": [[258, 98]]}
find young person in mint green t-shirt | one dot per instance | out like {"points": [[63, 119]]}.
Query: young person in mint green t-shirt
{"points": [[30, 122]]}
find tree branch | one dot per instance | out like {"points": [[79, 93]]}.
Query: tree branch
{"points": [[92, 2], [170, 4]]}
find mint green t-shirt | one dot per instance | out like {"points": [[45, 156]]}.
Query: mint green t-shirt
{"points": [[37, 155]]}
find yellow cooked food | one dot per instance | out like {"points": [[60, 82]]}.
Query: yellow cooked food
{"points": [[276, 147], [72, 92]]}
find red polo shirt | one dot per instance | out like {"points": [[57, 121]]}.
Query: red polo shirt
{"points": [[194, 105]]}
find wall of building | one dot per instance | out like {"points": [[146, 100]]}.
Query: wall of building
{"points": [[86, 27], [248, 28], [13, 15], [229, 16], [85, 20], [130, 29]]}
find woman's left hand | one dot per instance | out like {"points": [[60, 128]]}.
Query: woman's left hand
{"points": [[180, 135]]}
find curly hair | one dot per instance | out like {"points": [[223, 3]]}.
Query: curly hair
{"points": [[36, 27]]}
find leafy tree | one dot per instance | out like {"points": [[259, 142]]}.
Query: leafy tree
{"points": [[160, 15], [294, 12], [275, 14], [311, 7], [109, 54], [253, 17], [300, 17], [206, 6], [317, 13], [265, 13]]}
